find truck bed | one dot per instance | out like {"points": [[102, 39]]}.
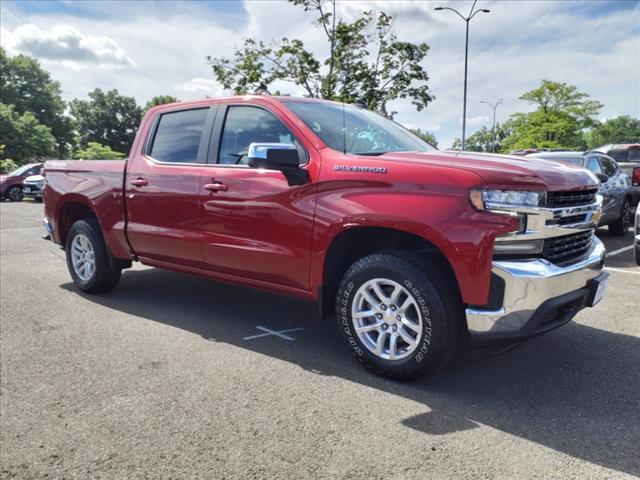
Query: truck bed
{"points": [[93, 184]]}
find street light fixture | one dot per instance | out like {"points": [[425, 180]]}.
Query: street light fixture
{"points": [[467, 19], [493, 129]]}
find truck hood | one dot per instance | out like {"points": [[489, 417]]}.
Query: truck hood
{"points": [[505, 171]]}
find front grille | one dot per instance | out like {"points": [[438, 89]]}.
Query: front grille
{"points": [[568, 247], [568, 220], [571, 199]]}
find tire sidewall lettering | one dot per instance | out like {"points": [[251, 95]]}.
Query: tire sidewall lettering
{"points": [[345, 319], [421, 353], [345, 300]]}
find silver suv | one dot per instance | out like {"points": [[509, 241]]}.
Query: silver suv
{"points": [[628, 157], [615, 186]]}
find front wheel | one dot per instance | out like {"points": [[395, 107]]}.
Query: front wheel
{"points": [[398, 319], [89, 262], [15, 194], [621, 226]]}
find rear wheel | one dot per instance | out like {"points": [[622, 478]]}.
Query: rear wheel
{"points": [[621, 226], [90, 264], [398, 319], [15, 193]]}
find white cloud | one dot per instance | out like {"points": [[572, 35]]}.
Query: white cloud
{"points": [[208, 86], [599, 53], [475, 121], [66, 43]]}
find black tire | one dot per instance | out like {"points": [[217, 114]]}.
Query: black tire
{"points": [[439, 306], [637, 254], [14, 194], [106, 273], [621, 226]]}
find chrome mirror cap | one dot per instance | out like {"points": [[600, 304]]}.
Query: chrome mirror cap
{"points": [[259, 150]]}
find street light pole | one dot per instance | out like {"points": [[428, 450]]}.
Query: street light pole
{"points": [[493, 129], [467, 19]]}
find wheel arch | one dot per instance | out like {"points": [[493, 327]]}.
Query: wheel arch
{"points": [[71, 209], [353, 243]]}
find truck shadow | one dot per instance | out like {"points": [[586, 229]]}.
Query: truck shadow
{"points": [[576, 390]]}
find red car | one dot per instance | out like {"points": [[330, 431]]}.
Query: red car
{"points": [[410, 247], [11, 184]]}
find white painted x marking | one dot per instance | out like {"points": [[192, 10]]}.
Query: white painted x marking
{"points": [[279, 334]]}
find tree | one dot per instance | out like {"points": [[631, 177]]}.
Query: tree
{"points": [[428, 137], [107, 118], [561, 97], [366, 62], [7, 165], [29, 88], [23, 137], [95, 151], [160, 100], [561, 114], [482, 140], [622, 129]]}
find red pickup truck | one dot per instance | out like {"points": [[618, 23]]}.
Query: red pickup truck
{"points": [[414, 249]]}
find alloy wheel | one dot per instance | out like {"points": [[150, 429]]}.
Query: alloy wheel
{"points": [[626, 216], [83, 257], [15, 194], [387, 319]]}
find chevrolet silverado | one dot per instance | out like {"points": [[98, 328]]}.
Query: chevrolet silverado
{"points": [[412, 248]]}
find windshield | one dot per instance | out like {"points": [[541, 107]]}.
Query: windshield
{"points": [[355, 130], [19, 170]]}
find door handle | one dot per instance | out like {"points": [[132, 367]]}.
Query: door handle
{"points": [[216, 187], [139, 182]]}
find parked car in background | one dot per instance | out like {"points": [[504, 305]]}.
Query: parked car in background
{"points": [[11, 184], [637, 236], [33, 186], [615, 186], [628, 157], [527, 151]]}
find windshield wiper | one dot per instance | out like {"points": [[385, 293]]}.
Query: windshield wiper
{"points": [[370, 154]]}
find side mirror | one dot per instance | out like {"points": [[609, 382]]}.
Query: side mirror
{"points": [[278, 156], [602, 177]]}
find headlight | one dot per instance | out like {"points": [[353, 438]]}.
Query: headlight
{"points": [[495, 199]]}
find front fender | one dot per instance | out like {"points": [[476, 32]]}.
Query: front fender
{"points": [[441, 216]]}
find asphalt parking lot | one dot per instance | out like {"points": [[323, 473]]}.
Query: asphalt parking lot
{"points": [[168, 377]]}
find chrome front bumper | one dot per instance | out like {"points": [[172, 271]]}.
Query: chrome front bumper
{"points": [[531, 286], [48, 226]]}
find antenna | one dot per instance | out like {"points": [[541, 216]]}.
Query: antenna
{"points": [[344, 130]]}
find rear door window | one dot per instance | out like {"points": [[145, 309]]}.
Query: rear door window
{"points": [[634, 155], [177, 136], [618, 155]]}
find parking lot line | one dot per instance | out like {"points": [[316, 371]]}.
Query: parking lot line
{"points": [[279, 334], [620, 250], [620, 270]]}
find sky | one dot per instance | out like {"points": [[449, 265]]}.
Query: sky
{"points": [[148, 48]]}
